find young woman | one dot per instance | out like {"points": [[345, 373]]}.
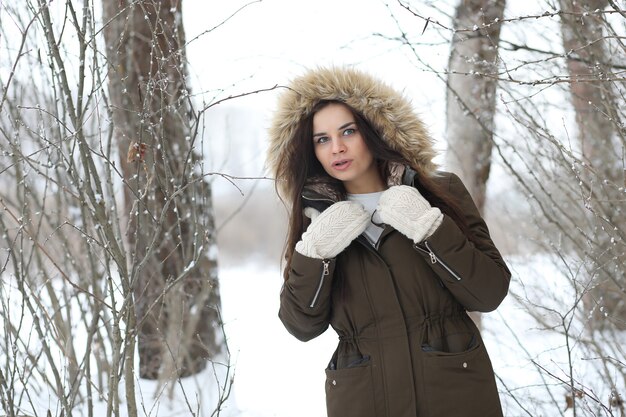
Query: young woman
{"points": [[384, 248]]}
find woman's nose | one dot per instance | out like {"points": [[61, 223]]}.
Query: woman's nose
{"points": [[338, 146]]}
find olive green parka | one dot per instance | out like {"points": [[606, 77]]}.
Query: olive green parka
{"points": [[407, 347]]}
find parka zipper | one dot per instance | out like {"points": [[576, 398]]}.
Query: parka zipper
{"points": [[326, 200], [325, 262], [435, 259], [325, 272]]}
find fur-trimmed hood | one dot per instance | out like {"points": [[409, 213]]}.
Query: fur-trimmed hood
{"points": [[389, 112]]}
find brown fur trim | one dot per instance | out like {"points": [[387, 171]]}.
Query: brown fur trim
{"points": [[389, 112]]}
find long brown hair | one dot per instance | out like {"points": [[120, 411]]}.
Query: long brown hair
{"points": [[299, 165]]}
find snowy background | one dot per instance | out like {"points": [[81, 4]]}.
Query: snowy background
{"points": [[264, 45]]}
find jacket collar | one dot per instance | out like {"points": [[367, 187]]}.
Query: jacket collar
{"points": [[320, 192]]}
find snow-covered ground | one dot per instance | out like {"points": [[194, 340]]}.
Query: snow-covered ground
{"points": [[276, 375]]}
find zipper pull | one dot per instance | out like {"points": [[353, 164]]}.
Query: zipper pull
{"points": [[325, 272], [433, 258]]}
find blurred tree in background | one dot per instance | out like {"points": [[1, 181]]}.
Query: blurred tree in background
{"points": [[172, 229]]}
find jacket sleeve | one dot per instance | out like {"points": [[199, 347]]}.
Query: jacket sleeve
{"points": [[475, 274], [305, 297]]}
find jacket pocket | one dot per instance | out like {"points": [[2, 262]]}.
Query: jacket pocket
{"points": [[350, 392], [460, 383]]}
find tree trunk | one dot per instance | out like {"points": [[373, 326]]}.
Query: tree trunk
{"points": [[471, 99], [587, 59], [171, 231], [597, 114]]}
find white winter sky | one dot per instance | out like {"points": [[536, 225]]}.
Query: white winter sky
{"points": [[273, 39]]}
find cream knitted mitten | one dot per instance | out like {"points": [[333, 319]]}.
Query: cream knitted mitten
{"points": [[332, 231], [406, 210]]}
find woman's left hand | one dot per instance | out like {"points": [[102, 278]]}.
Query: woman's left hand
{"points": [[406, 210]]}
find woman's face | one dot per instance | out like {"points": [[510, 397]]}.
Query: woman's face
{"points": [[341, 150]]}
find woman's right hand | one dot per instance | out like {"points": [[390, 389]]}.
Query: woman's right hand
{"points": [[332, 231]]}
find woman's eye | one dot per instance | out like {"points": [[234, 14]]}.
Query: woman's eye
{"points": [[321, 139], [349, 132]]}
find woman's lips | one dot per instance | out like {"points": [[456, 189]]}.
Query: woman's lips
{"points": [[342, 165]]}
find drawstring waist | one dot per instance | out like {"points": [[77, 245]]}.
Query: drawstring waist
{"points": [[415, 324]]}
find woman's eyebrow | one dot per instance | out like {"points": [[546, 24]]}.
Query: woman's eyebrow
{"points": [[340, 127]]}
